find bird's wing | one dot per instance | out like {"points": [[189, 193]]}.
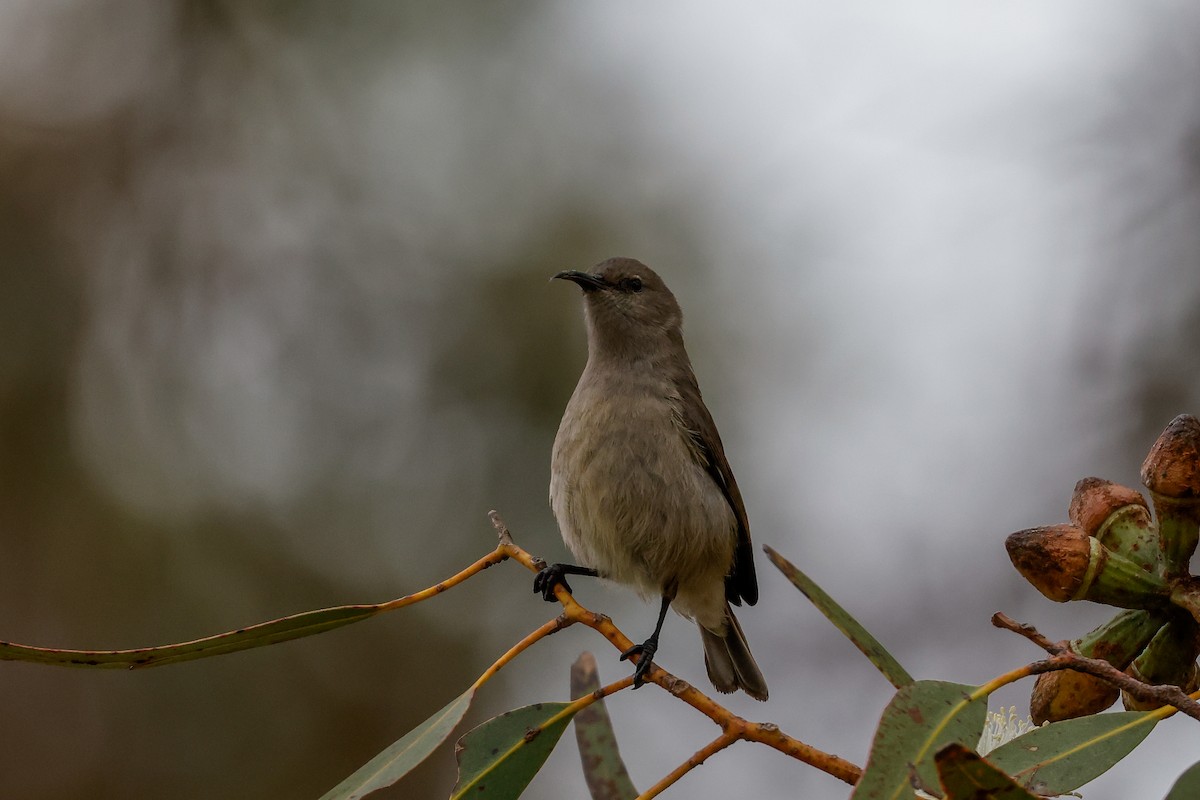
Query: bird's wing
{"points": [[741, 583]]}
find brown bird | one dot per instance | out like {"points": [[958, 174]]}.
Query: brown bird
{"points": [[639, 482]]}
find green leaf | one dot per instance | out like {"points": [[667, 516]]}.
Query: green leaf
{"points": [[296, 626], [603, 769], [1187, 787], [498, 759], [401, 757], [966, 776], [922, 718], [1060, 757], [884, 661]]}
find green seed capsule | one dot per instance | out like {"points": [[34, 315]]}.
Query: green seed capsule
{"points": [[1169, 658], [1067, 694], [1119, 581], [1171, 472]]}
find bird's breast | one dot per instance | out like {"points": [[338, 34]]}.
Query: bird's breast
{"points": [[631, 497]]}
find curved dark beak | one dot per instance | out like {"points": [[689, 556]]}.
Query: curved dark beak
{"points": [[587, 281]]}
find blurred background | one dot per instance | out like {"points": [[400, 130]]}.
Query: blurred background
{"points": [[277, 333]]}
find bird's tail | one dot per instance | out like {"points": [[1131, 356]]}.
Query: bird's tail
{"points": [[729, 662]]}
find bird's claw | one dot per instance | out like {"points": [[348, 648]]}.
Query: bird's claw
{"points": [[547, 578], [645, 651]]}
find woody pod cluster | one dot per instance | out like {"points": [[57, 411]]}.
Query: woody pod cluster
{"points": [[1114, 551]]}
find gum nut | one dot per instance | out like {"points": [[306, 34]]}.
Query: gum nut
{"points": [[1172, 469], [1067, 694], [1054, 558], [1095, 499], [1132, 703]]}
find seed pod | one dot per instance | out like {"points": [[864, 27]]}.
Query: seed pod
{"points": [[1172, 468], [1122, 638], [1170, 658], [1120, 581], [1119, 518], [1095, 499], [1066, 694], [1185, 593], [1064, 563], [1056, 559], [1172, 474]]}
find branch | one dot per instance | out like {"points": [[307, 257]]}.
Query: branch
{"points": [[1064, 658], [550, 626], [733, 727], [698, 758]]}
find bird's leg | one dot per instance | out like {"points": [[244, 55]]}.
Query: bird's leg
{"points": [[646, 650], [554, 575]]}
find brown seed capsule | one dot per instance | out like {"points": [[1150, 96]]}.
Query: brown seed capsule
{"points": [[1064, 563], [1188, 685], [1067, 694], [1059, 560], [1119, 518], [1172, 469], [1172, 474], [1095, 499]]}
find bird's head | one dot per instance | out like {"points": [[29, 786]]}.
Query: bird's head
{"points": [[628, 305]]}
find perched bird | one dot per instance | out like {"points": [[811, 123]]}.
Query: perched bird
{"points": [[639, 482]]}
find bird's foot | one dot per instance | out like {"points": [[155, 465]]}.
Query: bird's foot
{"points": [[553, 575], [645, 652]]}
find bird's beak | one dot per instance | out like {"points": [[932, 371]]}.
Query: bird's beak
{"points": [[587, 281]]}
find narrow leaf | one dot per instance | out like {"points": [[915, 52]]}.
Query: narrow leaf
{"points": [[1060, 757], [401, 757], [296, 626], [498, 759], [966, 776], [884, 661], [603, 769], [1187, 787], [922, 718]]}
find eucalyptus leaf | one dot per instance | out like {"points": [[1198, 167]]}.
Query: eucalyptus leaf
{"points": [[603, 769], [884, 661], [1063, 756], [965, 775], [920, 720], [1187, 786], [403, 755], [498, 759], [296, 626]]}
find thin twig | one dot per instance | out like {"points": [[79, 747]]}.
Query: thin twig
{"points": [[1064, 658], [550, 626], [698, 758], [501, 528], [491, 559]]}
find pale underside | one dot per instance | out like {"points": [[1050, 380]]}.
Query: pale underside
{"points": [[636, 502]]}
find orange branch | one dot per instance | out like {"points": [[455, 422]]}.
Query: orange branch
{"points": [[492, 558], [551, 626], [700, 756], [732, 726]]}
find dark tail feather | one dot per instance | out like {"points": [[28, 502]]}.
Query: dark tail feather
{"points": [[729, 662]]}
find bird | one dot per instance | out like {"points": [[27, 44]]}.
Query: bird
{"points": [[640, 486]]}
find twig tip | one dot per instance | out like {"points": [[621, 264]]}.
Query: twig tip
{"points": [[501, 528]]}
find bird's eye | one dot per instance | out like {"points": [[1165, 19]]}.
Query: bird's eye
{"points": [[633, 284]]}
